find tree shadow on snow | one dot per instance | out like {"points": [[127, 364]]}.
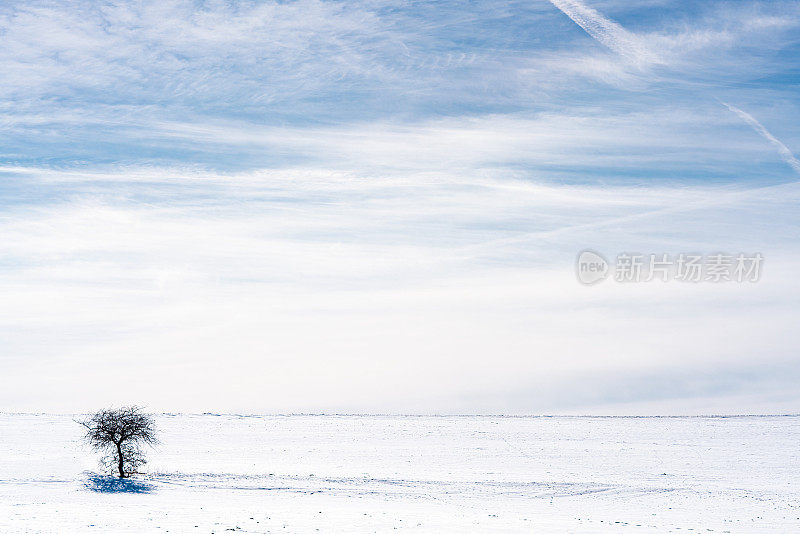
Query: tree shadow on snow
{"points": [[109, 484]]}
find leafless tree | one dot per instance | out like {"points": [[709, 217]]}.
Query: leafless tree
{"points": [[121, 433]]}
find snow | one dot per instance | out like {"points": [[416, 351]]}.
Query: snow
{"points": [[227, 473]]}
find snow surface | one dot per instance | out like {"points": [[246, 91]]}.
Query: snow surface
{"points": [[422, 474]]}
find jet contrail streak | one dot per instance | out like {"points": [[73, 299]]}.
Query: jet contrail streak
{"points": [[606, 32], [615, 37], [783, 150]]}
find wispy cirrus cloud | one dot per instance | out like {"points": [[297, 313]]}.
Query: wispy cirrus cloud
{"points": [[313, 276], [336, 195], [632, 47]]}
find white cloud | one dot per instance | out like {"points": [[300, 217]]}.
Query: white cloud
{"points": [[363, 206], [299, 290]]}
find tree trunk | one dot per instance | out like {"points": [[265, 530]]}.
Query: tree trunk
{"points": [[120, 466]]}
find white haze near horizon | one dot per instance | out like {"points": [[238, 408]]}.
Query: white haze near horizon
{"points": [[365, 207]]}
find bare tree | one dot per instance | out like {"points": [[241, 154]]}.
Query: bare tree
{"points": [[121, 433]]}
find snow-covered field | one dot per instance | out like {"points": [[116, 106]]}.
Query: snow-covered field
{"points": [[423, 474]]}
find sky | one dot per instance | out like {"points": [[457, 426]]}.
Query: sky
{"points": [[374, 206]]}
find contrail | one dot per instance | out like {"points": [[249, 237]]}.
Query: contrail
{"points": [[783, 150], [606, 32], [615, 37]]}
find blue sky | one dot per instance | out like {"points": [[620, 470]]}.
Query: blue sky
{"points": [[376, 206]]}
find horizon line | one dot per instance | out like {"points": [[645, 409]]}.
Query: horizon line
{"points": [[509, 416]]}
